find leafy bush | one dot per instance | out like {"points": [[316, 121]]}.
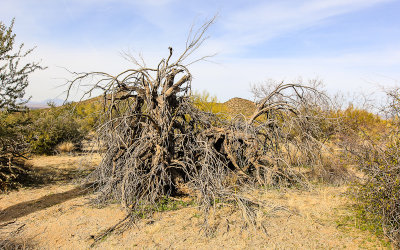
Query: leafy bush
{"points": [[53, 127], [204, 101], [13, 148], [363, 121], [377, 194], [14, 78], [87, 113]]}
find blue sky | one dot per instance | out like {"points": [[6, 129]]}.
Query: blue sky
{"points": [[351, 45]]}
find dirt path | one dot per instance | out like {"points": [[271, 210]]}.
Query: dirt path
{"points": [[58, 215]]}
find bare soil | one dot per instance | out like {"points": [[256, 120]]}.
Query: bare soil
{"points": [[58, 214]]}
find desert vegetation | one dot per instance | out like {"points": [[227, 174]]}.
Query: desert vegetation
{"points": [[14, 79], [377, 156], [163, 147]]}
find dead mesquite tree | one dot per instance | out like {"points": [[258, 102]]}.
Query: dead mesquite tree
{"points": [[290, 121], [158, 144]]}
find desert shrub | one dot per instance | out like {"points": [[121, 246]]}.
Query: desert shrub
{"points": [[15, 70], [88, 114], [362, 123], [332, 170], [53, 127], [377, 194], [204, 101], [13, 148]]}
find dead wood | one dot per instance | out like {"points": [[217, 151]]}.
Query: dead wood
{"points": [[158, 144]]}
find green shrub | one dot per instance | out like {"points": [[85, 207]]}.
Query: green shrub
{"points": [[13, 148], [52, 127], [362, 124], [374, 144], [376, 148], [205, 102], [378, 195], [87, 114]]}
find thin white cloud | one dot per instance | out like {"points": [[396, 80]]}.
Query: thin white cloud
{"points": [[231, 77], [265, 21], [237, 30], [357, 72]]}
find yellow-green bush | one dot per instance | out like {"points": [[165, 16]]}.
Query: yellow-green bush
{"points": [[13, 148], [206, 102], [362, 123], [377, 196], [376, 148], [51, 127], [87, 114]]}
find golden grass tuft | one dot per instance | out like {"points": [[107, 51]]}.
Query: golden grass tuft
{"points": [[66, 147]]}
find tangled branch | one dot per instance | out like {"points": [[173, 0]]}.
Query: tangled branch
{"points": [[158, 144]]}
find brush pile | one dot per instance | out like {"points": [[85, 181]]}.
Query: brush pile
{"points": [[158, 144]]}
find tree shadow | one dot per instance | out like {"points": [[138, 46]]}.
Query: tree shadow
{"points": [[35, 177], [48, 175], [14, 244], [28, 207]]}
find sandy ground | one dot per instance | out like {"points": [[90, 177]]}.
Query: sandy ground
{"points": [[58, 215]]}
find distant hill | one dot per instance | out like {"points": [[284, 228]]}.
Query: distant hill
{"points": [[233, 106], [239, 105], [43, 104], [37, 106]]}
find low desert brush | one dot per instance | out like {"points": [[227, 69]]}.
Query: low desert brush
{"points": [[65, 147]]}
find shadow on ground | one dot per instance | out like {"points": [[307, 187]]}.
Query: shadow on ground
{"points": [[50, 175], [28, 207], [14, 245], [42, 176]]}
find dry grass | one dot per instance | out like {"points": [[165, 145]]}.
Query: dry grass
{"points": [[59, 162], [63, 168], [57, 216], [65, 147]]}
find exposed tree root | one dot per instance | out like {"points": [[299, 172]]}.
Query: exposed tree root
{"points": [[158, 144]]}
